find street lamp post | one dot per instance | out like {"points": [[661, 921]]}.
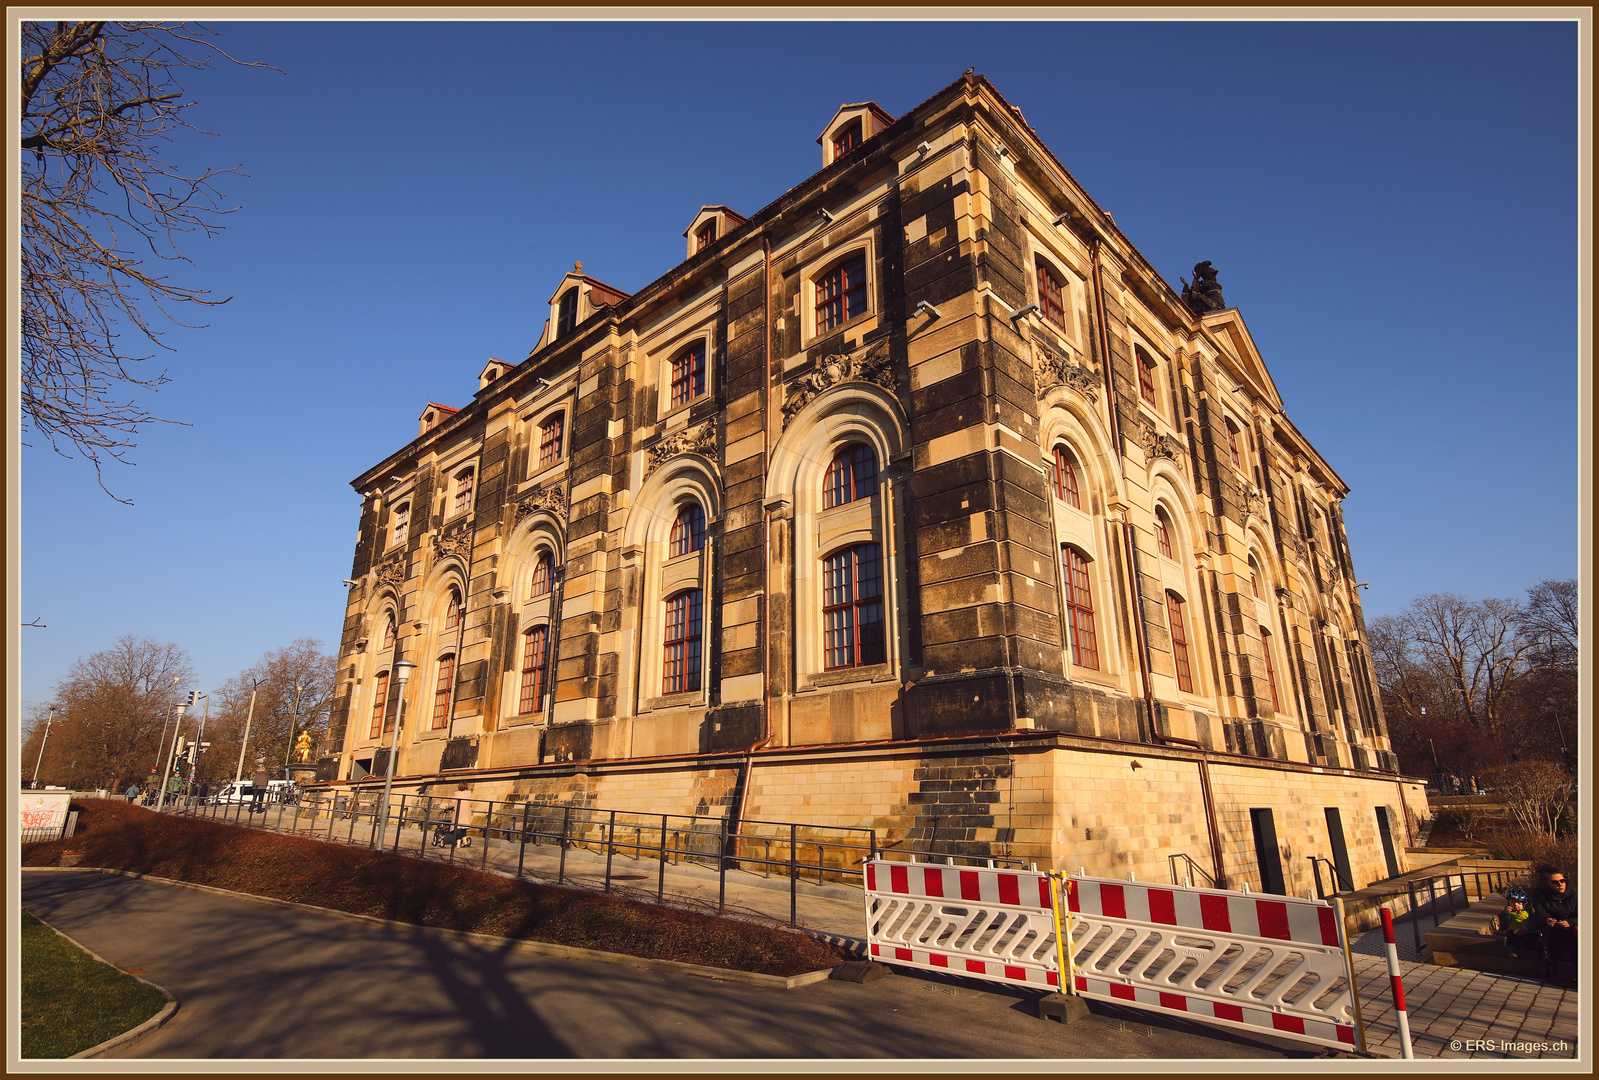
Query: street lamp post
{"points": [[402, 672], [161, 802], [162, 745], [47, 722], [194, 756], [294, 721], [248, 716]]}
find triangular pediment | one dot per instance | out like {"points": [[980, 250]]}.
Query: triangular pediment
{"points": [[1240, 355]]}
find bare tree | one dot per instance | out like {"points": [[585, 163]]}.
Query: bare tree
{"points": [[99, 101], [1549, 621], [1472, 647], [1535, 792], [294, 687]]}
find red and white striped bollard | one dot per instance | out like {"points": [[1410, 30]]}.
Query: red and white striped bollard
{"points": [[1397, 982]]}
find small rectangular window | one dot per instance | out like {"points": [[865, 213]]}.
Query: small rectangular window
{"points": [[463, 491], [441, 692], [550, 435], [841, 294], [688, 375], [1050, 297], [1146, 379], [380, 704]]}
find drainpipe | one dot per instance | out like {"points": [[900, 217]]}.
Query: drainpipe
{"points": [[766, 527], [1138, 618], [1104, 346], [744, 789]]}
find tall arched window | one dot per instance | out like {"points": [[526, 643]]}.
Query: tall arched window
{"points": [[543, 572], [1163, 534], [380, 702], [452, 611], [463, 491], [566, 314], [1080, 609], [1271, 670], [688, 374], [852, 475], [1179, 641], [1254, 578], [854, 632], [1067, 486], [550, 435], [681, 661], [688, 531], [841, 294], [442, 689], [1051, 302], [388, 632], [402, 522], [535, 659]]}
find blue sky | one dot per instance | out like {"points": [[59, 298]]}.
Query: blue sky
{"points": [[1392, 206]]}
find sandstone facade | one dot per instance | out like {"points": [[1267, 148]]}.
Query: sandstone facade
{"points": [[916, 501]]}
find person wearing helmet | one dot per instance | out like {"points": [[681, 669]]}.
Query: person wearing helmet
{"points": [[1517, 925]]}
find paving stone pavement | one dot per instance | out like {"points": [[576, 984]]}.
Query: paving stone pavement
{"points": [[1454, 1013]]}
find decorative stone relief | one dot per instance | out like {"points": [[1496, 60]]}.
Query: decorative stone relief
{"points": [[1155, 444], [1255, 501], [700, 440], [874, 366], [392, 570], [1051, 369], [457, 543], [551, 499]]}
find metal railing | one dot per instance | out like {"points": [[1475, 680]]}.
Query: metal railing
{"points": [[1441, 890], [506, 832], [1190, 870]]}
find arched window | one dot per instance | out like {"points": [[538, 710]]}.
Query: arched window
{"points": [[847, 139], [452, 611], [535, 660], [688, 374], [1254, 578], [1080, 609], [681, 662], [1163, 533], [706, 235], [854, 632], [543, 572], [1067, 488], [388, 632], [1271, 671], [441, 691], [688, 531], [852, 475], [1179, 642], [463, 491], [841, 293], [1051, 303], [550, 435], [1146, 378], [402, 522], [566, 315], [380, 702]]}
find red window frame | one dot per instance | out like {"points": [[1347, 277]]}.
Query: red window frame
{"points": [[1254, 581], [1232, 446], [388, 633], [452, 612], [680, 667], [463, 491], [535, 665], [1051, 301], [402, 524], [441, 691], [1067, 488], [688, 530], [1146, 378], [1271, 669], [1179, 641], [841, 293], [851, 475], [1163, 535], [854, 614], [1080, 609], [705, 237], [848, 138], [543, 572], [688, 375], [380, 704], [551, 432], [566, 313]]}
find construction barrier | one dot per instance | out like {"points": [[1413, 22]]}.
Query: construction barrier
{"points": [[1264, 963]]}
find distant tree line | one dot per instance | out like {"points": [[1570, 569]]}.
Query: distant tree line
{"points": [[115, 715], [1472, 685]]}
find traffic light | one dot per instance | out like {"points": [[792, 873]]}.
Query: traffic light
{"points": [[194, 697], [182, 743], [204, 747]]}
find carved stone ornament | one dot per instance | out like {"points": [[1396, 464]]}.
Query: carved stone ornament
{"points": [[457, 543], [1050, 369], [552, 500], [392, 570], [1255, 501], [873, 366], [700, 440], [1155, 444]]}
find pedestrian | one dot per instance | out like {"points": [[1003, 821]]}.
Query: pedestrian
{"points": [[133, 794], [261, 779], [1517, 924], [1554, 907]]}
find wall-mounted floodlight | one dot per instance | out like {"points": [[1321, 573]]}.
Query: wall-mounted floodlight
{"points": [[1028, 310], [924, 308], [827, 219], [1064, 219], [924, 148], [1001, 151], [396, 479], [350, 584], [1362, 584]]}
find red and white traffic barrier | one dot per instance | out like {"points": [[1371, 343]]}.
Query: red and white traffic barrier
{"points": [[1397, 982]]}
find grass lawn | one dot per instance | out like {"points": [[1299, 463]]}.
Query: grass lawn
{"points": [[115, 835], [71, 1001]]}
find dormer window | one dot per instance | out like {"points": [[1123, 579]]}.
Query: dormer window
{"points": [[711, 224], [846, 139], [706, 236], [566, 317]]}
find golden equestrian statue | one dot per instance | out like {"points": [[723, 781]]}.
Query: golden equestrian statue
{"points": [[302, 747]]}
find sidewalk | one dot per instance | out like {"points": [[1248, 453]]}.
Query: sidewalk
{"points": [[1446, 1005]]}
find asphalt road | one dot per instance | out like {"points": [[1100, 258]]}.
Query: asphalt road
{"points": [[256, 981]]}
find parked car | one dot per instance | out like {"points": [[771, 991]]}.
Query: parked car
{"points": [[242, 791]]}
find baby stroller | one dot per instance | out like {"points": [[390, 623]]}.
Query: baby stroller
{"points": [[448, 834]]}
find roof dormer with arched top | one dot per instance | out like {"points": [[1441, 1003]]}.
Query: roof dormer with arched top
{"points": [[710, 225], [576, 298], [850, 127]]}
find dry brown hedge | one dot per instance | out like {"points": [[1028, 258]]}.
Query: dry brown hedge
{"points": [[116, 835]]}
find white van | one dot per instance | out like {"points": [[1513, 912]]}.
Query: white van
{"points": [[243, 791]]}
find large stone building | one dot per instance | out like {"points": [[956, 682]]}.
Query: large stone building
{"points": [[916, 500]]}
